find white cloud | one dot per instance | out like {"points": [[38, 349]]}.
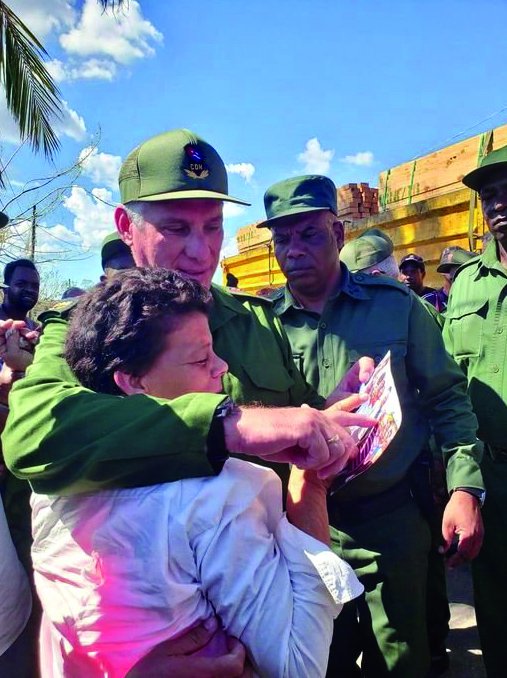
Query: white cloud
{"points": [[57, 70], [232, 209], [100, 69], [56, 239], [16, 183], [93, 219], [229, 248], [314, 158], [44, 16], [363, 158], [71, 124], [102, 168], [244, 169], [9, 130], [91, 69], [124, 36]]}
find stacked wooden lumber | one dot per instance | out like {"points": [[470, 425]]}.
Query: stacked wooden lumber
{"points": [[436, 173], [357, 201], [250, 236]]}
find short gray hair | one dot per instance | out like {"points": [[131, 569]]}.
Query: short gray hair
{"points": [[135, 212], [388, 266]]}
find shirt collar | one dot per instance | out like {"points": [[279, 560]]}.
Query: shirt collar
{"points": [[348, 285], [490, 260]]}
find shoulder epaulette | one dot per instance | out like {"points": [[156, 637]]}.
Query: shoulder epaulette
{"points": [[278, 294], [473, 262], [248, 296], [379, 281], [61, 309]]}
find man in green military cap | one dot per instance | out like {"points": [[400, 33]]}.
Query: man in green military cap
{"points": [[371, 252], [333, 316], [172, 188], [474, 333], [115, 255]]}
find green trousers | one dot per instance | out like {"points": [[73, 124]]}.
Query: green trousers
{"points": [[489, 570], [389, 554]]}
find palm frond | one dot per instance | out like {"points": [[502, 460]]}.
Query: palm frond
{"points": [[112, 4], [32, 95]]}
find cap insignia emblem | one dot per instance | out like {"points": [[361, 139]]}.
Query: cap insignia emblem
{"points": [[196, 168]]}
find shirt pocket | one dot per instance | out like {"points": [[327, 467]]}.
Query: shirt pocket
{"points": [[466, 323], [377, 350]]}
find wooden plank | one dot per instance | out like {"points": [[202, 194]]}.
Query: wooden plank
{"points": [[435, 173]]}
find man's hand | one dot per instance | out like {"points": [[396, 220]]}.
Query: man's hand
{"points": [[16, 344], [359, 374], [308, 438], [180, 658], [462, 518]]}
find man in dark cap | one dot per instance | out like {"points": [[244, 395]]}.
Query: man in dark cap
{"points": [[451, 259], [474, 333], [412, 273], [115, 255], [331, 317]]}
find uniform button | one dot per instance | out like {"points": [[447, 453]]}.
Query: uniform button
{"points": [[323, 326], [495, 368], [325, 362], [499, 330]]}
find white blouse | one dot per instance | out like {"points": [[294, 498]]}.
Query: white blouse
{"points": [[120, 571]]}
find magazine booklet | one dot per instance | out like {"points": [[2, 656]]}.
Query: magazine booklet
{"points": [[383, 405]]}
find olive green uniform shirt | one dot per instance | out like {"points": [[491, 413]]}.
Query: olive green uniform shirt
{"points": [[475, 333], [64, 438], [368, 316]]}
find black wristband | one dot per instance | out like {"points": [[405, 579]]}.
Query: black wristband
{"points": [[216, 447]]}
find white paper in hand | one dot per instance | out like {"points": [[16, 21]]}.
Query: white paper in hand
{"points": [[383, 405]]}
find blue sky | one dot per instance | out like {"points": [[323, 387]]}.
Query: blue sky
{"points": [[279, 87]]}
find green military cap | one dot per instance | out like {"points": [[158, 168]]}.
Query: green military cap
{"points": [[369, 249], [297, 196], [489, 167], [174, 165], [452, 257], [112, 246]]}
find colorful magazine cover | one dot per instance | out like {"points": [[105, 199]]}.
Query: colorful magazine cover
{"points": [[382, 405]]}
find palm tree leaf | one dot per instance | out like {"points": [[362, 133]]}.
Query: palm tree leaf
{"points": [[112, 4], [32, 95]]}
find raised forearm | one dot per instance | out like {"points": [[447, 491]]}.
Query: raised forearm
{"points": [[306, 504]]}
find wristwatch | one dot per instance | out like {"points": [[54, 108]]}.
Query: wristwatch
{"points": [[217, 451], [480, 495]]}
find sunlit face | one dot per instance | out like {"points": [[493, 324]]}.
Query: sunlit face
{"points": [[494, 206], [187, 363], [306, 248], [413, 276], [181, 235], [23, 290]]}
